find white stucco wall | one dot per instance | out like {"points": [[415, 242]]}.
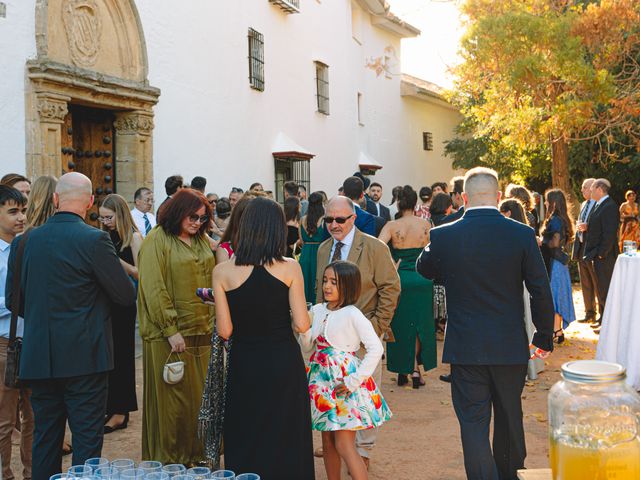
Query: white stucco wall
{"points": [[210, 122], [17, 44]]}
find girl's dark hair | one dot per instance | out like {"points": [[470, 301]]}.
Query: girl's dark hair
{"points": [[425, 193], [515, 207], [262, 237], [292, 209], [184, 202], [231, 232], [315, 212], [8, 194], [407, 198], [349, 281], [558, 206], [440, 203], [394, 194]]}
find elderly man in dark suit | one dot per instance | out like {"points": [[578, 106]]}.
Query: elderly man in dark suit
{"points": [[483, 260], [585, 268], [70, 273], [601, 240]]}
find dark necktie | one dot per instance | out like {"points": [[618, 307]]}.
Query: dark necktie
{"points": [[147, 225], [337, 253]]}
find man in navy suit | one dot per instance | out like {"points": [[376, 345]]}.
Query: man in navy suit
{"points": [[353, 188], [70, 274], [483, 260], [374, 205]]}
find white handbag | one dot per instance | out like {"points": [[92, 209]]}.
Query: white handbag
{"points": [[174, 371]]}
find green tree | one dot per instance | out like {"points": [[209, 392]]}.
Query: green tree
{"points": [[539, 74]]}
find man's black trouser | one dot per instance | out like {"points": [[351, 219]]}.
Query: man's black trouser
{"points": [[80, 400], [475, 390]]}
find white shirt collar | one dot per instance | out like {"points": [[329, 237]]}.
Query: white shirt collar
{"points": [[483, 207], [3, 246], [348, 240], [602, 200]]}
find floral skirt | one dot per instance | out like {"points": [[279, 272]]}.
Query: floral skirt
{"points": [[363, 409]]}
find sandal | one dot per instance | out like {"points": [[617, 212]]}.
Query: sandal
{"points": [[558, 336]]}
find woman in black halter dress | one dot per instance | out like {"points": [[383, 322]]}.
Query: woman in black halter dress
{"points": [[267, 423]]}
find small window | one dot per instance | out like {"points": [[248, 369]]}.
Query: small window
{"points": [[360, 119], [322, 86], [291, 169], [256, 60], [427, 141]]}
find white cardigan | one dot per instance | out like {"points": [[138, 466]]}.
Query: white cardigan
{"points": [[345, 329]]}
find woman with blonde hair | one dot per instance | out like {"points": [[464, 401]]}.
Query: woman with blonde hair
{"points": [[116, 219], [40, 205]]}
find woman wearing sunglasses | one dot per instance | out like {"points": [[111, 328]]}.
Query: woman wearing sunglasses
{"points": [[175, 326]]}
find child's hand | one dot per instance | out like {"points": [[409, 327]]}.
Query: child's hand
{"points": [[341, 390]]}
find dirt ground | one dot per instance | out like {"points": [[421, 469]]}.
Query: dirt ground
{"points": [[422, 440]]}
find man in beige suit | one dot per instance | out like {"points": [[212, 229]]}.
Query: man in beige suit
{"points": [[380, 281]]}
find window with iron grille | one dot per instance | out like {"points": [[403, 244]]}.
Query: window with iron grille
{"points": [[322, 87], [427, 141], [291, 169], [256, 60]]}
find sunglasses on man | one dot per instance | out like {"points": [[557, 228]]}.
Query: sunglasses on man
{"points": [[338, 220]]}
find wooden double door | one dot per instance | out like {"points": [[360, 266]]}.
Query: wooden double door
{"points": [[88, 147]]}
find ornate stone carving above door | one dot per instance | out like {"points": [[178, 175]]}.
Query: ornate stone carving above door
{"points": [[83, 25]]}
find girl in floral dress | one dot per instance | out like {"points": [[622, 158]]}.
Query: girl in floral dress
{"points": [[344, 397]]}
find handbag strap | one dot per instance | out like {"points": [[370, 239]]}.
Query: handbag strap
{"points": [[16, 289], [171, 353]]}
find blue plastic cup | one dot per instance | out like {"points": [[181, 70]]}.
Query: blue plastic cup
{"points": [[80, 471], [122, 464], [248, 476], [220, 474], [199, 473], [183, 476], [60, 476], [107, 473], [174, 469], [132, 474], [150, 466], [96, 463], [157, 476]]}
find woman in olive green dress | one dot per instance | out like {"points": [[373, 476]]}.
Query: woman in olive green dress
{"points": [[412, 324], [175, 259]]}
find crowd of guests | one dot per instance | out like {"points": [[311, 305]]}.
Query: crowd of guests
{"points": [[351, 256]]}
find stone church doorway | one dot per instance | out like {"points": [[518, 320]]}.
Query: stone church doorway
{"points": [[89, 104]]}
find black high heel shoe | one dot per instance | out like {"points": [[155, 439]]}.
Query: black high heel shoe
{"points": [[122, 426], [558, 337], [402, 379], [417, 380]]}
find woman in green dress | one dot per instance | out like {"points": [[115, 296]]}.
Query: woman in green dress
{"points": [[412, 323], [312, 234], [175, 259]]}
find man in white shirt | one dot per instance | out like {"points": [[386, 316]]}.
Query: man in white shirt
{"points": [[13, 206], [141, 213], [375, 194], [585, 268]]}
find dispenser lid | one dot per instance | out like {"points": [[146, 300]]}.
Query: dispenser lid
{"points": [[593, 371]]}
